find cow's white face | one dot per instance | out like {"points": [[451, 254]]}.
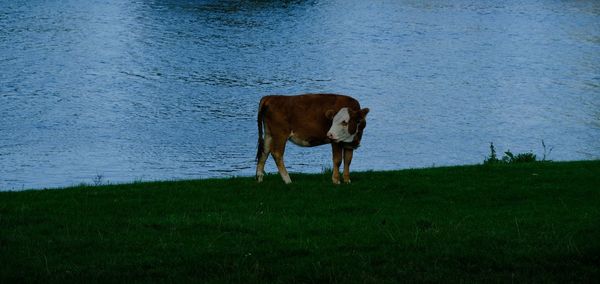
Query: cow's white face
{"points": [[339, 128]]}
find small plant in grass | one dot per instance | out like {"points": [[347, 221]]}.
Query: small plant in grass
{"points": [[546, 153], [492, 159], [98, 180], [326, 170], [511, 158]]}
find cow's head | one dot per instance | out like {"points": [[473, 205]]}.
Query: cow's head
{"points": [[347, 125]]}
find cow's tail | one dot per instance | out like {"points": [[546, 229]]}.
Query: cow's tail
{"points": [[261, 140]]}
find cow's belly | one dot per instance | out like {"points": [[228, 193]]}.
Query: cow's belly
{"points": [[307, 141]]}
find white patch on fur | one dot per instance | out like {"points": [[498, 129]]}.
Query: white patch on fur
{"points": [[339, 132]]}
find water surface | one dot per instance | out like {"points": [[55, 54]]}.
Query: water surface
{"points": [[147, 90]]}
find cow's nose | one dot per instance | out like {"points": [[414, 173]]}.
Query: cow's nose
{"points": [[330, 135]]}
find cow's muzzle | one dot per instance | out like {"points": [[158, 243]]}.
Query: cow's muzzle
{"points": [[331, 136]]}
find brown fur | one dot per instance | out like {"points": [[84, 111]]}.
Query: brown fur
{"points": [[305, 118]]}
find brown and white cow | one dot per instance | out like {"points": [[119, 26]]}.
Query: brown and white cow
{"points": [[309, 120]]}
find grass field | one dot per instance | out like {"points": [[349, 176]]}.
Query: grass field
{"points": [[537, 222]]}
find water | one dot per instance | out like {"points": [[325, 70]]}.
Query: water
{"points": [[120, 91]]}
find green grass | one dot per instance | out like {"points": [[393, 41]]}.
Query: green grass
{"points": [[537, 222]]}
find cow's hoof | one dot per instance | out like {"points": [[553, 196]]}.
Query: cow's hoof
{"points": [[347, 182], [287, 179], [336, 181]]}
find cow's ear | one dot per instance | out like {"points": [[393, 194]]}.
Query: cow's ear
{"points": [[364, 112], [330, 114]]}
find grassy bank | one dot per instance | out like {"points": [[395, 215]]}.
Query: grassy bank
{"points": [[524, 222]]}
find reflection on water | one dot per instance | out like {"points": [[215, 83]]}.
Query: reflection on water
{"points": [[145, 90]]}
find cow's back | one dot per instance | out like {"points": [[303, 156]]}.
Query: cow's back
{"points": [[307, 106]]}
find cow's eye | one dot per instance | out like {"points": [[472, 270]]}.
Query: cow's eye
{"points": [[344, 123]]}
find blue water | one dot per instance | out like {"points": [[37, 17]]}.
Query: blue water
{"points": [[120, 91]]}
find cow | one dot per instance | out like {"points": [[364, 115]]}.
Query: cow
{"points": [[309, 120]]}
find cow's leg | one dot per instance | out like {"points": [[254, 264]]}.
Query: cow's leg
{"points": [[277, 150], [348, 153], [260, 165], [337, 160]]}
